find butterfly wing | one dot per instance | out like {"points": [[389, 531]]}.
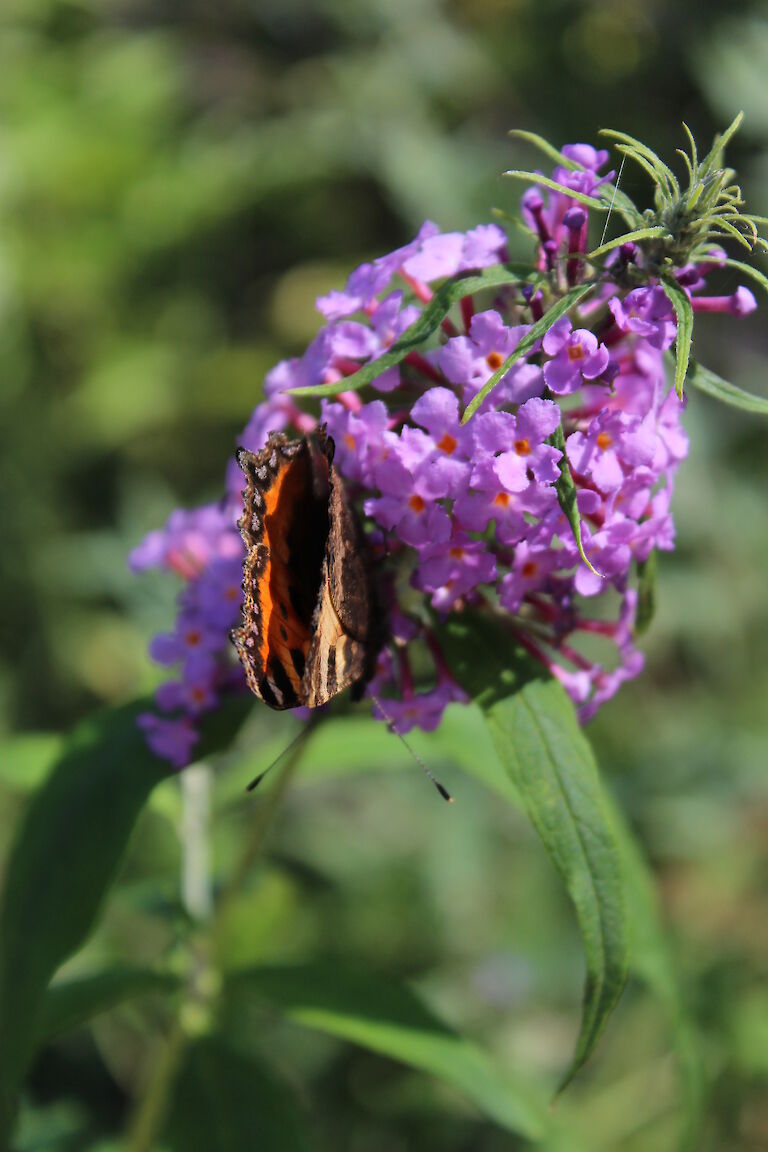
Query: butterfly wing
{"points": [[343, 647], [285, 529]]}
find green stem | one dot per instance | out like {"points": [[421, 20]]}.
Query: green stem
{"points": [[263, 818], [152, 1109], [192, 1014]]}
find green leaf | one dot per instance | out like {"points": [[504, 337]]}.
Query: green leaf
{"points": [[539, 741], [637, 234], [647, 167], [347, 744], [618, 201], [720, 226], [754, 273], [69, 1004], [714, 385], [567, 495], [378, 1014], [663, 173], [547, 148], [684, 312], [225, 1100], [714, 157], [535, 332], [563, 189], [611, 197], [26, 759], [66, 855], [428, 322], [646, 594], [652, 962]]}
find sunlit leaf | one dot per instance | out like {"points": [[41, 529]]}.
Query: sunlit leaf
{"points": [[386, 1017], [26, 760], [563, 189], [714, 157], [539, 741], [637, 234], [663, 173], [545, 147], [428, 322], [567, 495], [66, 856], [684, 313], [536, 332], [748, 270], [713, 385]]}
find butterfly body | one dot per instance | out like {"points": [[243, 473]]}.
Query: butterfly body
{"points": [[311, 624]]}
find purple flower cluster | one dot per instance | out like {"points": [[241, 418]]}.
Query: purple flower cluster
{"points": [[469, 513]]}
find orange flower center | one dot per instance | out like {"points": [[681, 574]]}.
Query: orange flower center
{"points": [[231, 592], [198, 695], [529, 569], [448, 444], [494, 360], [604, 441], [350, 441], [416, 504], [193, 638], [501, 500], [457, 553], [575, 352], [522, 447]]}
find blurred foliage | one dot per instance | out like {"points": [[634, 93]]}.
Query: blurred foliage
{"points": [[177, 182]]}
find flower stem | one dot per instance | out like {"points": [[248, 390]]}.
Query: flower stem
{"points": [[194, 1012], [263, 818], [150, 1114], [195, 869]]}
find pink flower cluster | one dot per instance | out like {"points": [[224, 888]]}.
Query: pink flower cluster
{"points": [[469, 513]]}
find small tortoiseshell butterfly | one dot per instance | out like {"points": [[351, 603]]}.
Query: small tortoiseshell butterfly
{"points": [[311, 622]]}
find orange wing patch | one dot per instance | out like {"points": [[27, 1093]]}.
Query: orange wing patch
{"points": [[282, 526], [310, 624]]}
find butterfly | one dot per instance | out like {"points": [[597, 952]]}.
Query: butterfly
{"points": [[312, 624]]}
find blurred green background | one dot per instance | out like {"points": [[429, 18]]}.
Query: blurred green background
{"points": [[177, 183]]}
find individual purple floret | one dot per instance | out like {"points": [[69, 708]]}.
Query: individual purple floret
{"points": [[577, 357]]}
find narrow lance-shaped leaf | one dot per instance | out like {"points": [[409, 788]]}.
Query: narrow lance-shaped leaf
{"points": [[428, 322], [547, 148], [637, 234], [611, 198], [662, 171], [66, 856], [618, 201], [537, 737], [536, 332], [684, 313], [648, 168], [567, 495], [714, 157], [389, 1018], [554, 186], [70, 1004], [713, 385], [651, 960], [753, 273]]}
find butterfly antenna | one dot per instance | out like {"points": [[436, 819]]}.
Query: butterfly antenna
{"points": [[427, 771], [613, 198], [302, 735]]}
